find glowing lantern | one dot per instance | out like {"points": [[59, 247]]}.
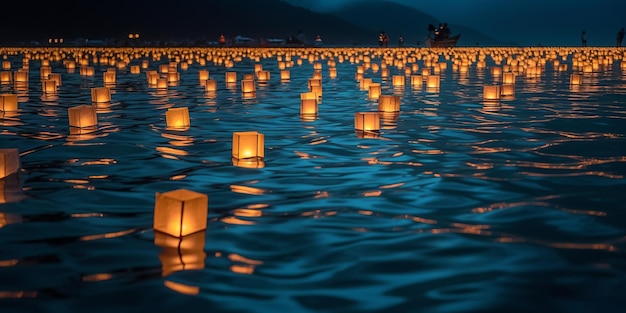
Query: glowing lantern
{"points": [[6, 77], [389, 103], [49, 86], [374, 91], [100, 94], [508, 78], [491, 93], [231, 77], [210, 85], [173, 77], [308, 106], [508, 90], [108, 77], [9, 161], [8, 102], [364, 84], [6, 65], [203, 75], [20, 77], [398, 80], [332, 72], [432, 83], [56, 77], [161, 83], [263, 75], [152, 77], [177, 118], [135, 69], [367, 121], [180, 212], [247, 86], [417, 81], [575, 79], [82, 116], [248, 145], [285, 75], [496, 71]]}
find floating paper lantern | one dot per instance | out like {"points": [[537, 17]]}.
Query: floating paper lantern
{"points": [[364, 83], [263, 76], [6, 65], [308, 107], [508, 78], [417, 81], [173, 77], [6, 77], [367, 121], [56, 77], [20, 77], [432, 83], [177, 118], [181, 253], [82, 116], [332, 72], [248, 145], [374, 91], [8, 102], [49, 86], [248, 86], [108, 77], [180, 212], [496, 71], [285, 75], [161, 83], [203, 75], [491, 93], [135, 69], [210, 85], [9, 161], [575, 79], [231, 77], [100, 94], [389, 103], [398, 80], [508, 90]]}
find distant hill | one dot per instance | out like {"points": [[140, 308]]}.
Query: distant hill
{"points": [[182, 19], [400, 20]]}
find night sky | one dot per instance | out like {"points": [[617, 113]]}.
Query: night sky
{"points": [[528, 22]]}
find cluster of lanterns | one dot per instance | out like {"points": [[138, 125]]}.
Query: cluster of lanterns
{"points": [[180, 216]]}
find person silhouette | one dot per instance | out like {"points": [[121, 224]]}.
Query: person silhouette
{"points": [[583, 38], [620, 37]]}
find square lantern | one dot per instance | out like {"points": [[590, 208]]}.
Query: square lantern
{"points": [[177, 118], [9, 161], [575, 79], [367, 121], [180, 212], [20, 76], [389, 103], [210, 85], [108, 77], [332, 72], [398, 80], [100, 94], [247, 86], [203, 75], [82, 116], [308, 107], [161, 83], [135, 69], [285, 75], [374, 91], [491, 93], [8, 102], [49, 86], [417, 81], [6, 77], [433, 83], [247, 145], [508, 90], [263, 75], [231, 77], [508, 78]]}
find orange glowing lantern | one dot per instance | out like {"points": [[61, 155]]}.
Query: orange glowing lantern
{"points": [[491, 93], [9, 161], [161, 83], [231, 77], [508, 90], [332, 72], [6, 65], [374, 91], [49, 86], [108, 77], [285, 75], [210, 85], [508, 78], [55, 77], [398, 80], [263, 76], [8, 102], [433, 83], [177, 118], [575, 79], [6, 77], [308, 107], [417, 81], [203, 75], [248, 86], [100, 94], [135, 69], [20, 77], [389, 103], [367, 121], [82, 116], [180, 212], [248, 145]]}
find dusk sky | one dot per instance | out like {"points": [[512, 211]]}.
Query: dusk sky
{"points": [[526, 21]]}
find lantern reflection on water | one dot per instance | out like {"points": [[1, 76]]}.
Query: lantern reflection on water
{"points": [[181, 253], [180, 212]]}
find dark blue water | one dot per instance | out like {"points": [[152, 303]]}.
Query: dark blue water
{"points": [[456, 205]]}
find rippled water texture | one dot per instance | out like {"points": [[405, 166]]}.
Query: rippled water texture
{"points": [[456, 204]]}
